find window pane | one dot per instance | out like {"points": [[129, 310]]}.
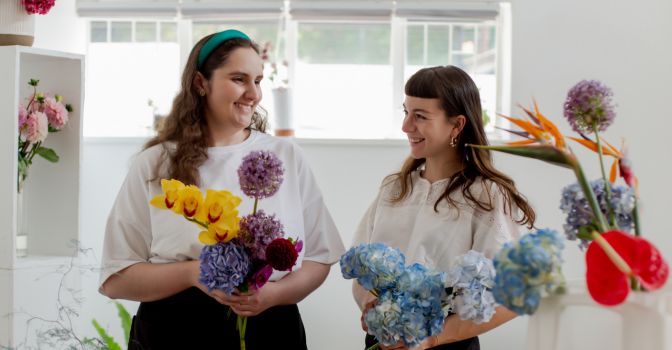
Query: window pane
{"points": [[121, 32], [145, 31], [145, 71], [343, 84], [350, 43], [438, 45], [486, 62], [98, 31], [415, 45], [260, 32], [464, 39], [168, 32]]}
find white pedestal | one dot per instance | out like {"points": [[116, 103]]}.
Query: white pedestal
{"points": [[643, 321]]}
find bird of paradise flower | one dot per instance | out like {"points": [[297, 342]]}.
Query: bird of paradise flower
{"points": [[615, 260]]}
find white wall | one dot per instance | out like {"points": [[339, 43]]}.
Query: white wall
{"points": [[555, 44]]}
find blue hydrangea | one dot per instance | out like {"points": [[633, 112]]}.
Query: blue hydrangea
{"points": [[223, 266], [375, 266], [471, 280], [579, 213], [528, 268], [410, 299]]}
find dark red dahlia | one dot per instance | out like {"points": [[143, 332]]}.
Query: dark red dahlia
{"points": [[281, 254]]}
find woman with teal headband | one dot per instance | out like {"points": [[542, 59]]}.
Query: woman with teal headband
{"points": [[151, 256]]}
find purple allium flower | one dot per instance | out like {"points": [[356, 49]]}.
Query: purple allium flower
{"points": [[260, 174], [223, 266], [257, 231], [589, 102], [579, 213]]}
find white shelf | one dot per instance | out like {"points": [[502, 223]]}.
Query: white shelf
{"points": [[52, 189]]}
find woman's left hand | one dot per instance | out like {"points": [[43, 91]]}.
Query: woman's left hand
{"points": [[253, 302]]}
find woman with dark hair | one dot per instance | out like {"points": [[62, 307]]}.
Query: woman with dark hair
{"points": [[447, 198], [151, 255]]}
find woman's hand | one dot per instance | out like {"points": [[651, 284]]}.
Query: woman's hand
{"points": [[368, 306], [255, 301]]}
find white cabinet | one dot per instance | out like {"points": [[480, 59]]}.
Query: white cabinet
{"points": [[52, 190]]}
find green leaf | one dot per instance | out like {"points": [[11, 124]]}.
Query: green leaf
{"points": [[109, 341], [52, 129], [546, 153], [33, 82], [47, 153], [126, 320]]}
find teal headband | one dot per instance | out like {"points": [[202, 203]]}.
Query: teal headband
{"points": [[217, 40]]}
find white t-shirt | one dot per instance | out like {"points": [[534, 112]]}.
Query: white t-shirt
{"points": [[137, 232], [436, 239]]}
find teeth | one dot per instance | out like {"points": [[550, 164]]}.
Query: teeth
{"points": [[415, 140]]}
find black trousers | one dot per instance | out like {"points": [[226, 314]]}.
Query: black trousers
{"points": [[467, 344], [193, 320]]}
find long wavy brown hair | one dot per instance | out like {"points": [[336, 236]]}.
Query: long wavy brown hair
{"points": [[459, 95], [186, 125]]}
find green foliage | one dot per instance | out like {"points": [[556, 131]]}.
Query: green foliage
{"points": [[109, 342], [126, 320], [47, 153]]}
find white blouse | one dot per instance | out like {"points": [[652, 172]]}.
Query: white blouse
{"points": [[436, 239], [137, 232]]}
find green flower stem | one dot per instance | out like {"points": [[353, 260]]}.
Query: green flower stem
{"points": [[254, 210], [374, 347], [590, 196], [241, 324], [197, 222], [607, 188], [635, 218], [612, 254]]}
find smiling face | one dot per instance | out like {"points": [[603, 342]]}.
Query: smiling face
{"points": [[233, 91], [428, 129]]}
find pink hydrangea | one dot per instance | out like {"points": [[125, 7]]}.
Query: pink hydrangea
{"points": [[38, 6], [36, 127], [23, 116], [56, 113]]}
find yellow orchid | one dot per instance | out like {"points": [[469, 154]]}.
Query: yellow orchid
{"points": [[170, 196], [223, 231], [190, 201], [217, 206]]}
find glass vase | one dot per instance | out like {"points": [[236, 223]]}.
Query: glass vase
{"points": [[21, 223]]}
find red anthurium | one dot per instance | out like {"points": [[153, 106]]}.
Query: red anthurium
{"points": [[608, 284]]}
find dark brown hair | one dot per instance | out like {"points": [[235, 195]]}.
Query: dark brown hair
{"points": [[459, 95], [186, 125]]}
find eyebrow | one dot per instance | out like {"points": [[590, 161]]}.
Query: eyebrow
{"points": [[417, 110], [243, 73]]}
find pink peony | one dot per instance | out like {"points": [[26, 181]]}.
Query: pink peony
{"points": [[23, 116], [56, 113], [38, 6], [36, 127]]}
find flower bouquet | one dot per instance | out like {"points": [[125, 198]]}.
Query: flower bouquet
{"points": [[240, 254], [413, 301], [41, 115], [599, 213]]}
